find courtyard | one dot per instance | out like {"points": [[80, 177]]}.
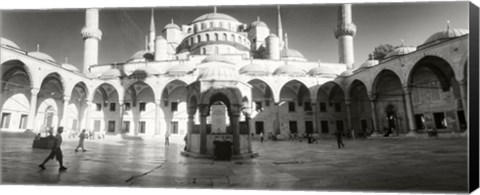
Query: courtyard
{"points": [[397, 164]]}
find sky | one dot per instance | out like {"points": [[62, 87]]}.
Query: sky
{"points": [[309, 27]]}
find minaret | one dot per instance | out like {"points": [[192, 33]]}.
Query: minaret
{"points": [[152, 36], [344, 32], [279, 25], [90, 35]]}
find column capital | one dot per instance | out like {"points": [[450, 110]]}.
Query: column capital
{"points": [[34, 91], [66, 98], [407, 89], [348, 101], [462, 82], [372, 97]]}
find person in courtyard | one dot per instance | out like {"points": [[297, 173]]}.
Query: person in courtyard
{"points": [[261, 136], [167, 135], [56, 151], [82, 137], [338, 135]]}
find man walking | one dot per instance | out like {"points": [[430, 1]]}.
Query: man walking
{"points": [[56, 151], [80, 141], [338, 135]]}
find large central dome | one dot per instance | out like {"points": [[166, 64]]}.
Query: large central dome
{"points": [[214, 16]]}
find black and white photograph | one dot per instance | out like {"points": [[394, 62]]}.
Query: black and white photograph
{"points": [[312, 97]]}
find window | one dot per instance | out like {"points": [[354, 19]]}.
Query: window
{"points": [[258, 127], [324, 125], [142, 106], [216, 50], [112, 107], [308, 106], [111, 126], [216, 37], [98, 106], [225, 37], [141, 125], [420, 121], [440, 120], [364, 125], [199, 38], [96, 125], [23, 121], [323, 107], [309, 127], [338, 107], [267, 103], [212, 24], [126, 127], [208, 37], [174, 127], [204, 51], [5, 123], [258, 106], [127, 106], [174, 106], [293, 126], [291, 106]]}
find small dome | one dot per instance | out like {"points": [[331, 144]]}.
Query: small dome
{"points": [[400, 51], [180, 69], [70, 67], [368, 64], [290, 70], [4, 41], [141, 55], [287, 52], [221, 73], [254, 69], [112, 73], [214, 16], [259, 23], [217, 58], [147, 70], [41, 56], [171, 26], [346, 73], [318, 71], [447, 34]]}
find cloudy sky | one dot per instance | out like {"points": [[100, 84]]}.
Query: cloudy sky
{"points": [[309, 27]]}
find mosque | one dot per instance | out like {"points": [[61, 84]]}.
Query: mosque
{"points": [[218, 78]]}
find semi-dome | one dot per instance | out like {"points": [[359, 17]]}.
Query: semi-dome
{"points": [[400, 51], [319, 71], [40, 55], [171, 26], [287, 52], [290, 70], [70, 67], [214, 16], [217, 73], [259, 23], [447, 34], [141, 55], [4, 41], [216, 58], [112, 73], [254, 69]]}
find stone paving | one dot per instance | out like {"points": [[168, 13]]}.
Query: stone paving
{"points": [[375, 164]]}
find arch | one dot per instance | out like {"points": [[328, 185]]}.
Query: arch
{"points": [[216, 37], [12, 65], [225, 37], [207, 37], [55, 79], [439, 66], [299, 89], [384, 78], [360, 108]]}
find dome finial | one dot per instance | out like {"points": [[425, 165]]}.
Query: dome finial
{"points": [[258, 18], [403, 44], [286, 40], [171, 21], [38, 47], [448, 25], [146, 42]]}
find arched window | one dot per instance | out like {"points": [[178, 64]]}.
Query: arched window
{"points": [[221, 24], [208, 37], [216, 50], [212, 24], [239, 39], [229, 26], [216, 37], [225, 37], [191, 40], [195, 29], [199, 38], [233, 38], [204, 51], [189, 30], [204, 26]]}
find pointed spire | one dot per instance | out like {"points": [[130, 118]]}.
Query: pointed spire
{"points": [[279, 24], [146, 42], [152, 22], [38, 47]]}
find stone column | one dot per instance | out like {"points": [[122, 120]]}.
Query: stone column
{"points": [[349, 113], [86, 120], [236, 133], [33, 108], [63, 123], [464, 94], [203, 133], [191, 124], [409, 109], [374, 113], [120, 117], [158, 109], [278, 123]]}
